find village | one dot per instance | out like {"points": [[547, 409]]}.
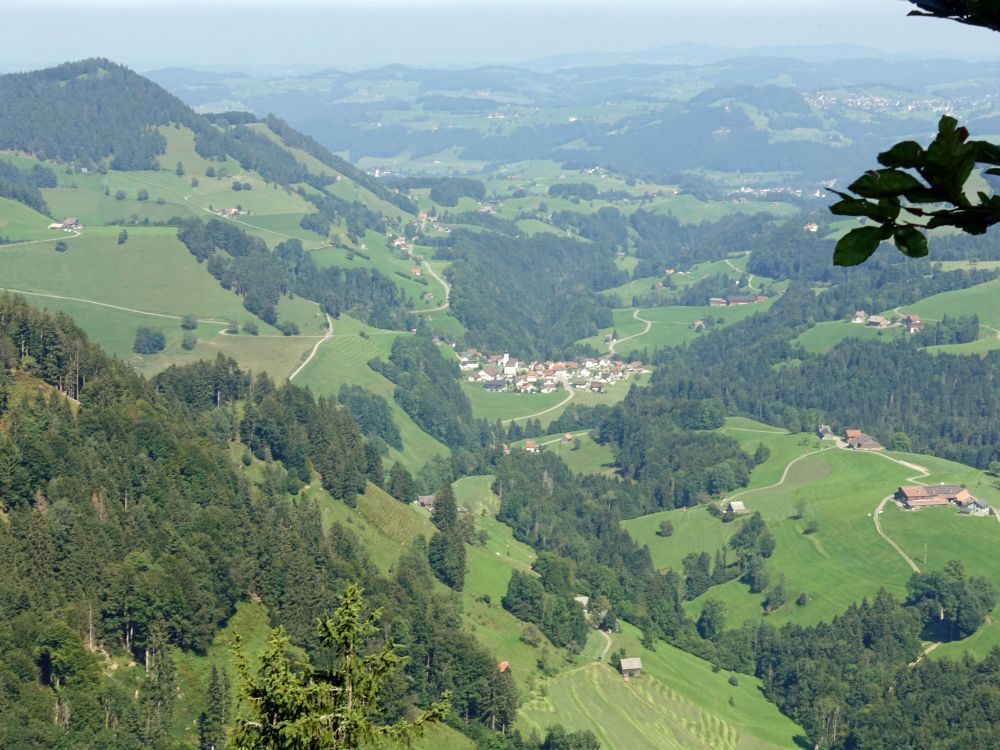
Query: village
{"points": [[501, 372]]}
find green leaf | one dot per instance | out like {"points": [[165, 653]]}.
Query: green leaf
{"points": [[854, 207], [857, 246], [905, 155], [910, 241], [986, 152], [884, 183]]}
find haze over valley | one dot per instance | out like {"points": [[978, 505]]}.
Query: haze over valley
{"points": [[546, 377]]}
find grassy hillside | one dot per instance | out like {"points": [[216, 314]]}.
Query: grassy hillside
{"points": [[344, 360], [668, 326], [677, 703], [824, 336], [19, 223], [846, 559]]}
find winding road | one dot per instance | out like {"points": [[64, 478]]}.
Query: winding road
{"points": [[784, 474], [442, 282], [105, 304], [326, 337], [635, 314], [544, 411], [878, 527], [73, 233], [922, 472]]}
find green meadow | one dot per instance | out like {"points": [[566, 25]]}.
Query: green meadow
{"points": [[344, 360], [18, 223], [669, 326], [824, 336], [845, 560], [509, 405], [581, 453], [678, 703]]}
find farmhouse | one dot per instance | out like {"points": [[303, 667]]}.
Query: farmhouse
{"points": [[745, 299], [912, 323], [531, 446], [863, 442], [736, 507], [631, 666], [824, 432], [496, 386], [976, 507], [860, 316], [934, 495], [67, 225], [716, 302], [877, 321], [426, 501]]}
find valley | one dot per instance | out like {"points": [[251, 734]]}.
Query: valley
{"points": [[269, 360]]}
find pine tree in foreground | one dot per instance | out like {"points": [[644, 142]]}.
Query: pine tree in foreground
{"points": [[299, 707]]}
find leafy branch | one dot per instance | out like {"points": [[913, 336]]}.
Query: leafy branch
{"points": [[931, 194], [985, 13]]}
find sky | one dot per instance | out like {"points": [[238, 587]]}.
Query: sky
{"points": [[147, 34]]}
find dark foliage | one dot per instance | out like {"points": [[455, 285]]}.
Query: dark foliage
{"points": [[533, 295], [24, 186], [243, 264], [372, 414]]}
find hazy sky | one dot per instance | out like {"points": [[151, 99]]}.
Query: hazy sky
{"points": [[146, 34]]}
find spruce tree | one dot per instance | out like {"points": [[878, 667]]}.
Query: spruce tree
{"points": [[295, 706]]}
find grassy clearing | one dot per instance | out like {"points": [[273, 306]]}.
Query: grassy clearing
{"points": [[694, 529], [982, 300], [670, 326], [344, 360], [822, 337], [689, 210], [509, 405], [581, 454], [934, 536], [152, 272], [251, 625], [846, 560], [18, 223], [678, 702], [385, 525], [389, 262]]}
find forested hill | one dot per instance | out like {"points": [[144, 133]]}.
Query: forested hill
{"points": [[88, 112], [97, 114], [908, 398], [128, 534]]}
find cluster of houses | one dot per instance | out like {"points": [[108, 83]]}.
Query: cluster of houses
{"points": [[69, 224], [229, 213], [911, 322], [736, 299], [501, 372], [913, 497]]}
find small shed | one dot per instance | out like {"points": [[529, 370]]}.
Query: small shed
{"points": [[631, 666], [825, 432], [736, 507], [426, 501]]}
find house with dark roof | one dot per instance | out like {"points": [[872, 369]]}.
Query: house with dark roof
{"points": [[863, 442], [912, 323]]}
